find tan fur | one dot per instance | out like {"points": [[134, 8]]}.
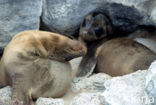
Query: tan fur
{"points": [[36, 64], [122, 56]]}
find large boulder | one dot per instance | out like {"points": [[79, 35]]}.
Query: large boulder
{"points": [[64, 16], [17, 16], [125, 90]]}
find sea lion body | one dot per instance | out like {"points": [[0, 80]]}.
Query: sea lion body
{"points": [[35, 64], [122, 56], [106, 23]]}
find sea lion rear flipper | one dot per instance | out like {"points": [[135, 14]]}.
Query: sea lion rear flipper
{"points": [[20, 94]]}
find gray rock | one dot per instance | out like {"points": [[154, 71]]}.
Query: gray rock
{"points": [[64, 16], [5, 95], [86, 99], [124, 90], [6, 92], [17, 16], [150, 91], [49, 101], [93, 83]]}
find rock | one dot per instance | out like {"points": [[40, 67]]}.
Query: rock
{"points": [[92, 83], [5, 95], [124, 90], [64, 16], [49, 101], [147, 6], [86, 99], [150, 91], [17, 16]]}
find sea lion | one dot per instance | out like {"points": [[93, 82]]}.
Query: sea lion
{"points": [[35, 64], [105, 23], [121, 56], [94, 30]]}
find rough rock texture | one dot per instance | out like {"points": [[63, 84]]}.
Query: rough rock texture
{"points": [[5, 96], [49, 101], [86, 99], [64, 16], [125, 90], [92, 83], [147, 6], [150, 91], [17, 16]]}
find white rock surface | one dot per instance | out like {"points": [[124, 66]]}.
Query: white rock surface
{"points": [[124, 90], [49, 101], [150, 91], [5, 96], [86, 99], [92, 83]]}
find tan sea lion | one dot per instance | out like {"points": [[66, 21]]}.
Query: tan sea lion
{"points": [[35, 64], [121, 56]]}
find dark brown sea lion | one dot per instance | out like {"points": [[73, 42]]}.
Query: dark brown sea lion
{"points": [[35, 64], [93, 32], [108, 22], [121, 56]]}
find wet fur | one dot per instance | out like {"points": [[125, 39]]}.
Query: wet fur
{"points": [[35, 64]]}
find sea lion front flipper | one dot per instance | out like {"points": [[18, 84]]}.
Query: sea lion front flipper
{"points": [[86, 66], [19, 95], [89, 61]]}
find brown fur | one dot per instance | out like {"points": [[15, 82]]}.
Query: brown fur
{"points": [[122, 56], [35, 64], [95, 30]]}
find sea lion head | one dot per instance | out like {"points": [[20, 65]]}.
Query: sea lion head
{"points": [[65, 49], [95, 26]]}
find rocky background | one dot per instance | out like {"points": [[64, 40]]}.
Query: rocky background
{"points": [[64, 16], [61, 16]]}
